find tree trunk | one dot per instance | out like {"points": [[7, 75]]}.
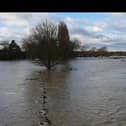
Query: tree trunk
{"points": [[49, 65]]}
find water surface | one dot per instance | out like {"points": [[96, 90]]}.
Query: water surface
{"points": [[92, 94], [19, 91], [84, 92]]}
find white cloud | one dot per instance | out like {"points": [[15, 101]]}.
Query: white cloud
{"points": [[18, 25], [110, 30], [118, 14], [96, 29], [14, 19], [9, 34]]}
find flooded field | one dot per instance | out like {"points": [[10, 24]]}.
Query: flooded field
{"points": [[83, 92]]}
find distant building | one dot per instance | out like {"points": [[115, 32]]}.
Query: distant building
{"points": [[13, 46], [11, 51]]}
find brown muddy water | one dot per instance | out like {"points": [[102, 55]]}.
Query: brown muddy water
{"points": [[83, 92]]}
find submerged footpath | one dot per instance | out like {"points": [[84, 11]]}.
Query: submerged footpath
{"points": [[43, 113]]}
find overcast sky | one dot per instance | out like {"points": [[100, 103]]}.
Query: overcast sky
{"points": [[92, 29]]}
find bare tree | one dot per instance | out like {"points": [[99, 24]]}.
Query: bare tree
{"points": [[102, 49], [49, 43], [64, 40], [42, 44]]}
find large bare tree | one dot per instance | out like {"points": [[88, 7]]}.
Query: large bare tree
{"points": [[42, 44], [49, 43]]}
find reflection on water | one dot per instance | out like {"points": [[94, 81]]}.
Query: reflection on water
{"points": [[85, 92], [93, 94]]}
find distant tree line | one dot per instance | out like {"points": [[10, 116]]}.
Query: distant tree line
{"points": [[93, 52], [11, 51]]}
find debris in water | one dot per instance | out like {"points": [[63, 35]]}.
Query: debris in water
{"points": [[44, 121], [31, 79], [43, 112]]}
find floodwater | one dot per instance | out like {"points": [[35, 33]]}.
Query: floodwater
{"points": [[19, 93], [83, 92]]}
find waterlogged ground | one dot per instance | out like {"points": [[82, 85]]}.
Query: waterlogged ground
{"points": [[84, 92]]}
